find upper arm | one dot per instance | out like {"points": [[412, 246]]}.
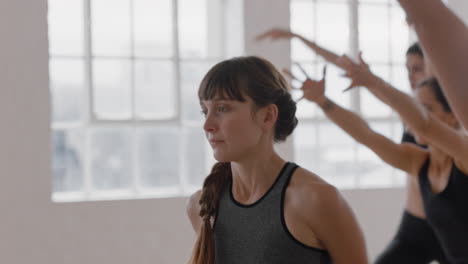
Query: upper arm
{"points": [[444, 37], [336, 227], [448, 139], [406, 157], [193, 211]]}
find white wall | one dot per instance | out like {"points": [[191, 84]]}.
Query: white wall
{"points": [[35, 230]]}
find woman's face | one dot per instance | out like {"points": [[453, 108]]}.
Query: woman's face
{"points": [[425, 95], [416, 69], [233, 128]]}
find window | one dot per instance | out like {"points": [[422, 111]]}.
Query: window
{"points": [[126, 121], [378, 28]]}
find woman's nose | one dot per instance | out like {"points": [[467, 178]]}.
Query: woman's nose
{"points": [[210, 123]]}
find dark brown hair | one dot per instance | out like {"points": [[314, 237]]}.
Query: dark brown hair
{"points": [[415, 49], [437, 90], [235, 79]]}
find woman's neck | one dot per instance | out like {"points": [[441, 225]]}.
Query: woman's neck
{"points": [[252, 178]]}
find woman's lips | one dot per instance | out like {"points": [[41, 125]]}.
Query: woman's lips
{"points": [[215, 142]]}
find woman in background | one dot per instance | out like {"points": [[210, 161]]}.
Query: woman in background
{"points": [[414, 241]]}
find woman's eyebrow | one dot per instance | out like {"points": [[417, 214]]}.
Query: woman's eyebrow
{"points": [[214, 101]]}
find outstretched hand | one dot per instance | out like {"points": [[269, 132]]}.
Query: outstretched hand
{"points": [[275, 34], [359, 73], [313, 90]]}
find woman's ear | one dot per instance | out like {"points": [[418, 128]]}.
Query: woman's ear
{"points": [[269, 115]]}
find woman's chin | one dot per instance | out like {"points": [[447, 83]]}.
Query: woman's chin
{"points": [[220, 157]]}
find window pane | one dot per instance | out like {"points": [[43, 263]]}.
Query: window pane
{"points": [[67, 82], [333, 26], [191, 76], [66, 27], [373, 107], [381, 70], [193, 28], [111, 157], [200, 28], [370, 105], [153, 28], [302, 22], [112, 92], [400, 79], [335, 84], [372, 170], [373, 33], [337, 156], [306, 147], [155, 91], [397, 131], [158, 157], [305, 108], [67, 160], [196, 156], [399, 35], [111, 27]]}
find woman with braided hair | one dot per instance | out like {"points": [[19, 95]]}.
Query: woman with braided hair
{"points": [[254, 206]]}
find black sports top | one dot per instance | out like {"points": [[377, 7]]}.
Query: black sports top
{"points": [[447, 212], [409, 138], [257, 233]]}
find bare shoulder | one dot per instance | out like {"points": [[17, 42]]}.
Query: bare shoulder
{"points": [[328, 216], [193, 210], [318, 201], [311, 191]]}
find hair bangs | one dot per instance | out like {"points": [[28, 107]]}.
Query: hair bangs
{"points": [[223, 82]]}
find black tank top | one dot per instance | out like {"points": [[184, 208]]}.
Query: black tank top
{"points": [[257, 233], [447, 212], [409, 138]]}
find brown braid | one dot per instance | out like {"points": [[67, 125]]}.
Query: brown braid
{"points": [[204, 251]]}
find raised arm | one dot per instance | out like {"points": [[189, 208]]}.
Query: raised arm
{"points": [[413, 113], [406, 157], [444, 38], [276, 33]]}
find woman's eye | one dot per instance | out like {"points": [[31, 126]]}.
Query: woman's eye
{"points": [[222, 108]]}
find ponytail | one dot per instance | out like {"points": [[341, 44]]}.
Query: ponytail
{"points": [[214, 184]]}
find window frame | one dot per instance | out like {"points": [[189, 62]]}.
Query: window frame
{"points": [[90, 120]]}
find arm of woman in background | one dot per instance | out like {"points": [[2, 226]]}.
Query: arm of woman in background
{"points": [[420, 121], [444, 38], [402, 156], [276, 33]]}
